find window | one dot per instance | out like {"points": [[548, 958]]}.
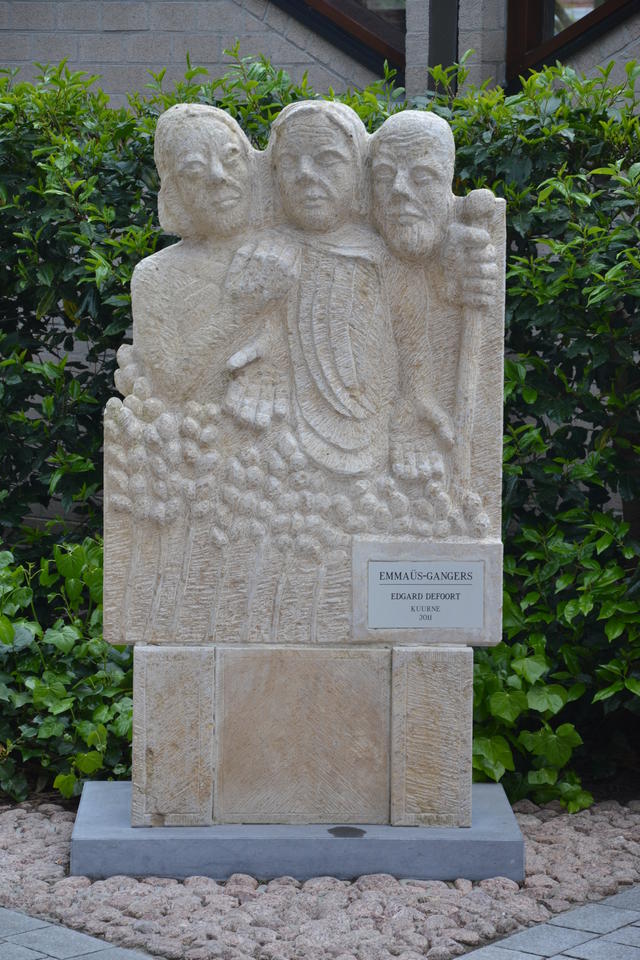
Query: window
{"points": [[541, 31], [393, 11], [570, 11], [371, 31]]}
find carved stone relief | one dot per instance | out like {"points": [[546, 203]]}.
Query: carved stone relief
{"points": [[318, 358]]}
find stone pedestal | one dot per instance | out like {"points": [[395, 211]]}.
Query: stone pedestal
{"points": [[104, 844], [343, 734]]}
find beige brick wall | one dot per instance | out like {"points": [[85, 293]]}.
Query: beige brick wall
{"points": [[122, 39], [482, 27], [417, 46], [621, 44]]}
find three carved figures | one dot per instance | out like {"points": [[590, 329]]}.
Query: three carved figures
{"points": [[312, 361]]}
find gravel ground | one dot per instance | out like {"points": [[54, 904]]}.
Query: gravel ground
{"points": [[571, 859]]}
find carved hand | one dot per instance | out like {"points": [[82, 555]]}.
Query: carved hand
{"points": [[262, 272], [253, 350], [410, 463], [469, 264], [256, 400], [439, 420]]}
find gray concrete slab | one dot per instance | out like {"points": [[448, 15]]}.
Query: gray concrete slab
{"points": [[545, 939], [596, 918], [496, 952], [104, 844], [630, 935], [628, 899], [12, 922], [58, 942], [602, 949], [114, 953], [11, 951]]}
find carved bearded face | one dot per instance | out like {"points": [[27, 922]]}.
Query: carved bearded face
{"points": [[316, 172], [411, 171], [209, 178]]}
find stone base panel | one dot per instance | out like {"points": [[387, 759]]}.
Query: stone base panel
{"points": [[283, 734]]}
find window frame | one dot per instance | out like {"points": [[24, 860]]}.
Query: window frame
{"points": [[526, 48], [362, 34]]}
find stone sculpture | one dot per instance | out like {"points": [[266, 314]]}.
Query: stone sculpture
{"points": [[312, 400]]}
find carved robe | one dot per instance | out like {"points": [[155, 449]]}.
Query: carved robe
{"points": [[182, 325], [342, 351]]}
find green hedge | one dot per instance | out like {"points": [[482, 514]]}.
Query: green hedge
{"points": [[77, 188], [65, 694]]}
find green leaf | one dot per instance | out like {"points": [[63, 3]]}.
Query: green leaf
{"points": [[529, 599], [613, 628], [62, 705], [23, 635], [571, 610], [507, 706], [531, 668], [492, 756], [50, 728], [604, 541], [581, 800], [63, 637], [65, 783], [585, 603], [98, 738], [73, 589], [547, 699], [543, 775], [575, 692], [564, 581], [555, 747], [88, 762], [6, 630], [45, 303], [633, 684]]}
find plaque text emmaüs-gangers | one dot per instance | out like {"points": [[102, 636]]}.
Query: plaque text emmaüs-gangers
{"points": [[302, 509]]}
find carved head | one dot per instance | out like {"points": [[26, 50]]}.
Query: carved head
{"points": [[318, 151], [412, 158], [203, 159]]}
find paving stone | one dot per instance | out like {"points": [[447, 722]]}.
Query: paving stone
{"points": [[117, 953], [596, 918], [545, 940], [628, 899], [630, 935], [11, 951], [12, 922], [602, 949], [57, 942], [495, 952]]}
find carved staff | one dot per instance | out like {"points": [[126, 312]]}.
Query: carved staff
{"points": [[478, 209]]}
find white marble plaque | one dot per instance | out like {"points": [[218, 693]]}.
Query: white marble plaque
{"points": [[407, 591], [425, 594]]}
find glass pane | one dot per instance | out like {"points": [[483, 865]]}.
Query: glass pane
{"points": [[391, 10], [568, 11]]}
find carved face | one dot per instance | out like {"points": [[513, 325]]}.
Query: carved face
{"points": [[316, 173], [412, 198], [211, 178]]}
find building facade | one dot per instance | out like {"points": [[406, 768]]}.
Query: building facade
{"points": [[337, 43]]}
